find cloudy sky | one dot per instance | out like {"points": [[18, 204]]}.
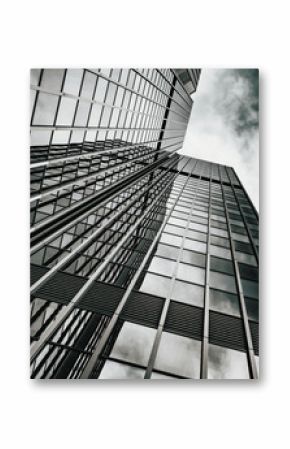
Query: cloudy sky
{"points": [[223, 126]]}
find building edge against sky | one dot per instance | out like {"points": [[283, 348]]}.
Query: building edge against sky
{"points": [[144, 263]]}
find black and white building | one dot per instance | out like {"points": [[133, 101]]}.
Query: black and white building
{"points": [[144, 262]]}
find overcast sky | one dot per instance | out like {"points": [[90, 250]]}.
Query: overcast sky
{"points": [[223, 126]]}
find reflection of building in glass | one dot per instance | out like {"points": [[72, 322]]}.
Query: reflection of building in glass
{"points": [[143, 262]]}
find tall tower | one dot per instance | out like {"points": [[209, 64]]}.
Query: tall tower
{"points": [[143, 262]]}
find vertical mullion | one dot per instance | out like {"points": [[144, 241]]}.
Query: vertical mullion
{"points": [[205, 338]]}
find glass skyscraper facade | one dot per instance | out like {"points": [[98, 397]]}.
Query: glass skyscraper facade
{"points": [[144, 262]]}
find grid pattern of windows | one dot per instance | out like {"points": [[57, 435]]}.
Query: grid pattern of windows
{"points": [[144, 263]]}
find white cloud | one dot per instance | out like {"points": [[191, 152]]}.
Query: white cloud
{"points": [[223, 125]]}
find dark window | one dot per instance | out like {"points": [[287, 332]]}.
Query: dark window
{"points": [[221, 265]]}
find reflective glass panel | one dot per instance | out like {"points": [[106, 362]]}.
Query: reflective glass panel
{"points": [[170, 239], [196, 235], [162, 266], [171, 252], [194, 245], [193, 258], [252, 306], [224, 363], [134, 343], [221, 265], [250, 288], [224, 302], [45, 109], [246, 258], [188, 293], [114, 370], [219, 232], [155, 285], [190, 273], [222, 282], [179, 355], [220, 252]]}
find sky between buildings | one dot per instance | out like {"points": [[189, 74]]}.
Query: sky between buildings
{"points": [[224, 123]]}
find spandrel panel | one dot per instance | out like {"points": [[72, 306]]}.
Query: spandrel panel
{"points": [[179, 355], [225, 363]]}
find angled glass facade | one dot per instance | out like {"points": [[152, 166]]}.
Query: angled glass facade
{"points": [[144, 263]]}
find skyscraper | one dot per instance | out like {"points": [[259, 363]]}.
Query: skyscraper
{"points": [[144, 263]]}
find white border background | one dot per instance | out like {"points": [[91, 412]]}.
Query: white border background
{"points": [[150, 33]]}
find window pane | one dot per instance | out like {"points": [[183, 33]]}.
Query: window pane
{"points": [[171, 252], [195, 246], [45, 109], [246, 258], [198, 227], [224, 302], [134, 343], [219, 232], [220, 252], [243, 247], [162, 266], [52, 79], [174, 230], [73, 81], [170, 239], [190, 273], [252, 309], [240, 237], [188, 293], [66, 111], [193, 258], [250, 288], [177, 221], [221, 265], [249, 272], [114, 370], [196, 235], [179, 355], [224, 363], [155, 285], [222, 282], [220, 241]]}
